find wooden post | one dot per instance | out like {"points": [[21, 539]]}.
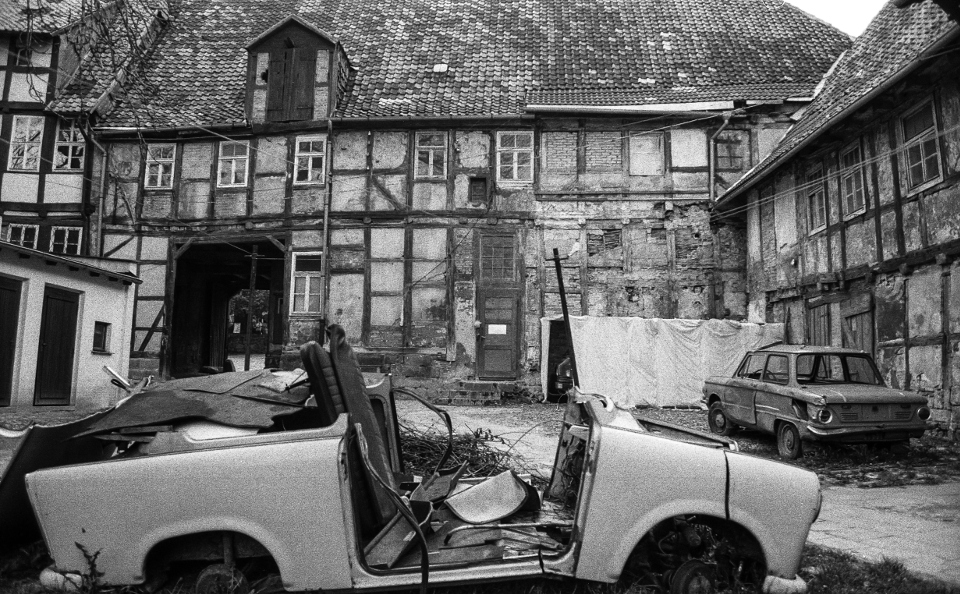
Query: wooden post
{"points": [[253, 286], [566, 315]]}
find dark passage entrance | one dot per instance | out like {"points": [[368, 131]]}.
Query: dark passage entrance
{"points": [[9, 318], [207, 276], [58, 334]]}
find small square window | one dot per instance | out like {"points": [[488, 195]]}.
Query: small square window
{"points": [[65, 240], [306, 286], [23, 235], [731, 149], [310, 153], [159, 168], [515, 157], [70, 145], [101, 337], [921, 146], [431, 154], [234, 161]]}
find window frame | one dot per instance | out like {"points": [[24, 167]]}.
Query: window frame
{"points": [[857, 174], [38, 143], [515, 153], [233, 160], [919, 141], [743, 141], [294, 275], [75, 141], [432, 150], [151, 160], [22, 227], [766, 368], [816, 174], [103, 349], [66, 242], [297, 155]]}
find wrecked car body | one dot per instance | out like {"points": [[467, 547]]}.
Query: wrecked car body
{"points": [[814, 393], [331, 509]]}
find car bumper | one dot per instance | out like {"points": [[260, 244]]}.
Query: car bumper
{"points": [[779, 585], [871, 433]]}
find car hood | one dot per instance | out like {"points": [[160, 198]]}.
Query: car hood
{"points": [[863, 394]]}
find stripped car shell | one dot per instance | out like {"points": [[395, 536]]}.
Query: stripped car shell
{"points": [[292, 496], [815, 393]]}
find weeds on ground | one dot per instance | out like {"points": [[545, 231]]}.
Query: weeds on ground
{"points": [[829, 571]]}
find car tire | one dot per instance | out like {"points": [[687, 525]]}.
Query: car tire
{"points": [[789, 445], [719, 421], [221, 579]]}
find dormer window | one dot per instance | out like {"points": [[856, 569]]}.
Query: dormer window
{"points": [[290, 73]]}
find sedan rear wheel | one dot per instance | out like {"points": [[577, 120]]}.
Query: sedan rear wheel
{"points": [[789, 445], [718, 421]]}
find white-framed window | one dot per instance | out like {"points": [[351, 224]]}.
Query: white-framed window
{"points": [[431, 154], [25, 143], [816, 200], [646, 153], [234, 162], [160, 163], [310, 153], [306, 284], [25, 235], [921, 146], [515, 157], [851, 181], [70, 145], [65, 240]]}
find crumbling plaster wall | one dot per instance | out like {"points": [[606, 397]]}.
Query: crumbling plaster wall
{"points": [[898, 256]]}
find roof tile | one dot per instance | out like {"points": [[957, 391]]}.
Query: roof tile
{"points": [[500, 55]]}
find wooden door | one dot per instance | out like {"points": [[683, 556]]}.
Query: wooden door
{"points": [[58, 335], [498, 307], [9, 317], [498, 355]]}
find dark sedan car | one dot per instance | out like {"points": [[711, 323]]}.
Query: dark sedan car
{"points": [[798, 393]]}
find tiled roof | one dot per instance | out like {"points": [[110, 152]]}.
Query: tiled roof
{"points": [[892, 42], [112, 55], [39, 16], [670, 95], [496, 52]]}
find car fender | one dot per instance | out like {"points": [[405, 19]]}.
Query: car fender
{"points": [[639, 480], [777, 503]]}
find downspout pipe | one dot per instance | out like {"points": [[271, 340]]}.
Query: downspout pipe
{"points": [[712, 156], [325, 246]]}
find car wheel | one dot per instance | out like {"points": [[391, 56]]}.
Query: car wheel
{"points": [[693, 577], [789, 445], [222, 579], [718, 421]]}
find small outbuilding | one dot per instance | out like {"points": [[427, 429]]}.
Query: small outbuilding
{"points": [[61, 320]]}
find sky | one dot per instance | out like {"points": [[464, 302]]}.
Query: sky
{"points": [[850, 16]]}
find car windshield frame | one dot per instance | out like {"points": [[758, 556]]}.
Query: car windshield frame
{"points": [[810, 379]]}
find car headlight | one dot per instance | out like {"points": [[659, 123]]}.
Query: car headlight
{"points": [[820, 414], [923, 413]]}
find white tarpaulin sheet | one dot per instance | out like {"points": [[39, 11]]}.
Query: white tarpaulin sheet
{"points": [[656, 362]]}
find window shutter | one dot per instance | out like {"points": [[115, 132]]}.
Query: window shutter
{"points": [[275, 88], [303, 81]]}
